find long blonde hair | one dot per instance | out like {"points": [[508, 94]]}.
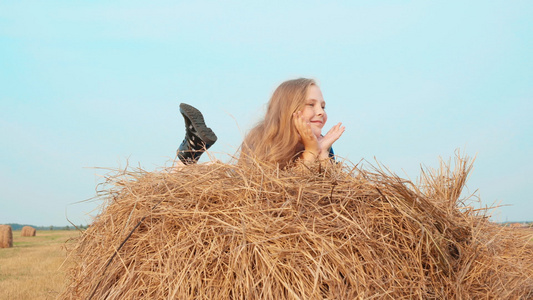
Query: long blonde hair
{"points": [[275, 139]]}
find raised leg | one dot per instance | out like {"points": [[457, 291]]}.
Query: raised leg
{"points": [[198, 137]]}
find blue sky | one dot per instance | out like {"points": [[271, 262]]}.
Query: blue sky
{"points": [[91, 85]]}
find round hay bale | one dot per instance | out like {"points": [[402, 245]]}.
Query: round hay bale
{"points": [[28, 231], [222, 231], [6, 236]]}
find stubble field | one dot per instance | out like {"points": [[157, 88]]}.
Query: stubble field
{"points": [[35, 267]]}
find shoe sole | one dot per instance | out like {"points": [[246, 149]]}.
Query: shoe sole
{"points": [[197, 121]]}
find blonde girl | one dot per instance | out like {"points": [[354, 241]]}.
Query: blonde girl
{"points": [[292, 126]]}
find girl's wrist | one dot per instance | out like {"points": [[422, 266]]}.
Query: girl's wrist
{"points": [[309, 155], [323, 155], [324, 148], [312, 152], [312, 148]]}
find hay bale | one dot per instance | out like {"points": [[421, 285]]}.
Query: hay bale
{"points": [[6, 236], [222, 231], [28, 231]]}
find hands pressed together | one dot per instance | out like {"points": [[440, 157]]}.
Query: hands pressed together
{"points": [[316, 147]]}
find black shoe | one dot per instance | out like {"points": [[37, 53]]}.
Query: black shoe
{"points": [[198, 137]]}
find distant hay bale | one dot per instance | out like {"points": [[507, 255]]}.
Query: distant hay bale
{"points": [[516, 225], [224, 231], [6, 236], [28, 231]]}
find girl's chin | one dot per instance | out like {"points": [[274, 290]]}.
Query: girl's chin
{"points": [[317, 131]]}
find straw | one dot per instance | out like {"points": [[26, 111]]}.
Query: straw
{"points": [[334, 231]]}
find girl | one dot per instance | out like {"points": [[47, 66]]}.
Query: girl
{"points": [[290, 130], [292, 127]]}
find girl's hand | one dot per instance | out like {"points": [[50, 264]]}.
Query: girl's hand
{"points": [[309, 140], [325, 142]]}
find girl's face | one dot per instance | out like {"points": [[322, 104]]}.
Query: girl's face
{"points": [[313, 111]]}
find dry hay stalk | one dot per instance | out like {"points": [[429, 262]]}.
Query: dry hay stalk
{"points": [[28, 231], [6, 236], [223, 231]]}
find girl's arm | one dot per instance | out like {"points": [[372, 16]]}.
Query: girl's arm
{"points": [[309, 140], [316, 148], [325, 142]]}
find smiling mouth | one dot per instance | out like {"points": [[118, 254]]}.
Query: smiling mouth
{"points": [[317, 122]]}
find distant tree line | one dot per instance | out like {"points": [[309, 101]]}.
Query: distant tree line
{"points": [[16, 226]]}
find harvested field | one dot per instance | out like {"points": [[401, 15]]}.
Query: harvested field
{"points": [[222, 231], [34, 268]]}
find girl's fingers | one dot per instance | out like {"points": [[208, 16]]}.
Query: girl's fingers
{"points": [[332, 136], [303, 128], [297, 122], [335, 130]]}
